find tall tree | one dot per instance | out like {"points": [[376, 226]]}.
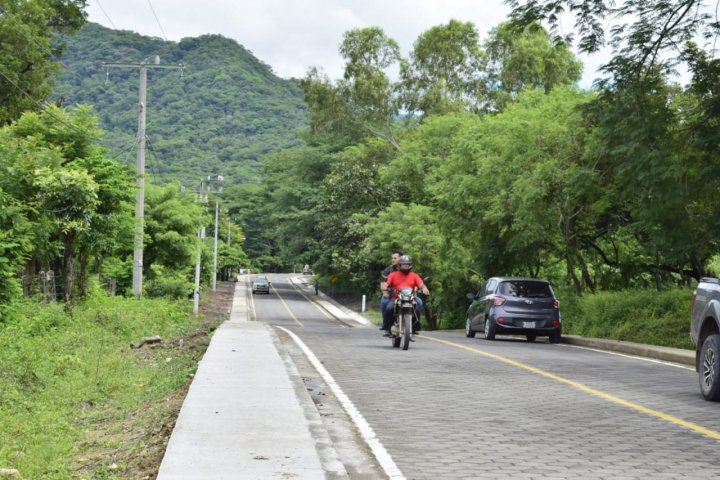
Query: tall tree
{"points": [[526, 58], [445, 70], [30, 47], [643, 34], [365, 99]]}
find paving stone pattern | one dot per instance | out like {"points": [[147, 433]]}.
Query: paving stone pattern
{"points": [[448, 413]]}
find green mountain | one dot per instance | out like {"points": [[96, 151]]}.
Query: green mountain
{"points": [[218, 117]]}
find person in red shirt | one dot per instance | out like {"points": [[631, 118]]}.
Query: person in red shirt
{"points": [[403, 277]]}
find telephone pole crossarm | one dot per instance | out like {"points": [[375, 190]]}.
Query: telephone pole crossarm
{"points": [[143, 65]]}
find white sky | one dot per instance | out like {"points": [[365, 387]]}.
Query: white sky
{"points": [[293, 35]]}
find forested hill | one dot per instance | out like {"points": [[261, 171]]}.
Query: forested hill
{"points": [[218, 117]]}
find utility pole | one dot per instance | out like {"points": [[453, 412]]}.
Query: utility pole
{"points": [[216, 246], [205, 188], [228, 220], [196, 295], [140, 196]]}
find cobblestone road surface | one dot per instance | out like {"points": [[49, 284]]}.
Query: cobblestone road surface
{"points": [[453, 411]]}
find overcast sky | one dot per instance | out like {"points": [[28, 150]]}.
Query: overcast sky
{"points": [[293, 35]]}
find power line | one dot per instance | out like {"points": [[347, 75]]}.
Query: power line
{"points": [[44, 107], [155, 163], [106, 15], [125, 150], [158, 20]]}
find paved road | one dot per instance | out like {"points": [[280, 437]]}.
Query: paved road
{"points": [[453, 407]]}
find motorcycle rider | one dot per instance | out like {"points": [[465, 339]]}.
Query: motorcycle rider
{"points": [[402, 278]]}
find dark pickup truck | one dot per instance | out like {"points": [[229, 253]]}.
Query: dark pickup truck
{"points": [[705, 333]]}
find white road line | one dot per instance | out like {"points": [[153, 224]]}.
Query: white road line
{"points": [[636, 357], [368, 434]]}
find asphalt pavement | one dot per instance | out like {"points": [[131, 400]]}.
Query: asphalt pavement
{"points": [[248, 415]]}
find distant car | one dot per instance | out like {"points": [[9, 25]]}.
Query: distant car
{"points": [[261, 285], [307, 270], [514, 306]]}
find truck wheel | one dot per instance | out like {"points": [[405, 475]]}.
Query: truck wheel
{"points": [[709, 372]]}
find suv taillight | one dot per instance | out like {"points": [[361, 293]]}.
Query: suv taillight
{"points": [[498, 301], [556, 304]]}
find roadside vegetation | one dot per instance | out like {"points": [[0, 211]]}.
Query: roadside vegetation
{"points": [[78, 401], [483, 157]]}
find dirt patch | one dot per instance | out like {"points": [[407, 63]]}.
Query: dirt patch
{"points": [[132, 445]]}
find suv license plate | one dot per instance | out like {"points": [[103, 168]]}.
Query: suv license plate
{"points": [[528, 324]]}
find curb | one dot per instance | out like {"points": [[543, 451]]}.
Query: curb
{"points": [[667, 354]]}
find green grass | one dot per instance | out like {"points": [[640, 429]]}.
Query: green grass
{"points": [[642, 316], [62, 376]]}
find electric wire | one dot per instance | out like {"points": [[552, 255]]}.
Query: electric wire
{"points": [[156, 158], [125, 150], [158, 21], [44, 106], [105, 13]]}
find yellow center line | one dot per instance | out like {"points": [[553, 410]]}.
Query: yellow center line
{"points": [[286, 306], [649, 411]]}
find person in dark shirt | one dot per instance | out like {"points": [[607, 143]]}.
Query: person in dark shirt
{"points": [[383, 279]]}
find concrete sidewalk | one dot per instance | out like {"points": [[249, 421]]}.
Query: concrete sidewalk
{"points": [[247, 414]]}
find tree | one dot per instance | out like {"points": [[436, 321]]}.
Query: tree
{"points": [[644, 34], [70, 196], [15, 245], [445, 72], [526, 58], [515, 192], [364, 99], [30, 48], [172, 222]]}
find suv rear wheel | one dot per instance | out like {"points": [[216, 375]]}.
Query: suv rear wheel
{"points": [[709, 371], [489, 329], [469, 332]]}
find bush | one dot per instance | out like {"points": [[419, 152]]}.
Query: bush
{"points": [[165, 283], [642, 316]]}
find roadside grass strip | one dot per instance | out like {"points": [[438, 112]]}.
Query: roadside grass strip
{"points": [[612, 398]]}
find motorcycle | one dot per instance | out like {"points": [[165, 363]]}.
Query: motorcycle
{"points": [[401, 331]]}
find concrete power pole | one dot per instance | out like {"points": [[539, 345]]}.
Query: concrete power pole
{"points": [[140, 196], [196, 294], [215, 256]]}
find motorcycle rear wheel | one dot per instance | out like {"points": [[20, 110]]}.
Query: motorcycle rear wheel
{"points": [[406, 329]]}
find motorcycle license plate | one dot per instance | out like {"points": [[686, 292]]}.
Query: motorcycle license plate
{"points": [[528, 324]]}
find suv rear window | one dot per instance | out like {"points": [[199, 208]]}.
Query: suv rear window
{"points": [[525, 289]]}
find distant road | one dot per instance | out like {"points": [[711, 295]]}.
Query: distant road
{"points": [[452, 407]]}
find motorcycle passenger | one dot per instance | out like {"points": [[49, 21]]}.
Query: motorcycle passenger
{"points": [[383, 279], [404, 277]]}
